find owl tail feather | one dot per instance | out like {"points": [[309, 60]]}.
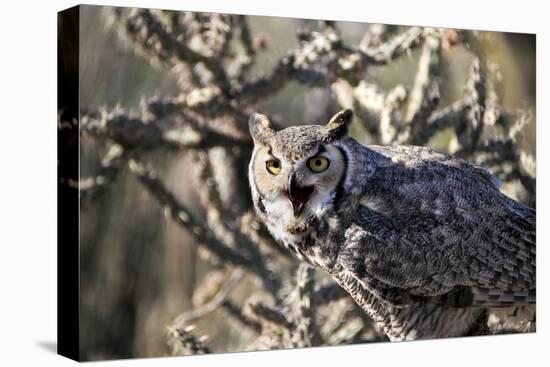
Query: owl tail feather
{"points": [[485, 297]]}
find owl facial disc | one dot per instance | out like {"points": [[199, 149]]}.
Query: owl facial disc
{"points": [[295, 173]]}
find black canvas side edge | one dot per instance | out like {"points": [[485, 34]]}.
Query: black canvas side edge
{"points": [[67, 186]]}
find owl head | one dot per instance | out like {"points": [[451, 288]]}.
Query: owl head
{"points": [[295, 173]]}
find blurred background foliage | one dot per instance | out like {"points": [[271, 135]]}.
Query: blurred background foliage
{"points": [[140, 269]]}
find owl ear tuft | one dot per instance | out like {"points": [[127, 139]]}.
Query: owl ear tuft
{"points": [[337, 127], [260, 128]]}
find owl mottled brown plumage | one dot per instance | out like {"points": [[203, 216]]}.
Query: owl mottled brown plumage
{"points": [[425, 243]]}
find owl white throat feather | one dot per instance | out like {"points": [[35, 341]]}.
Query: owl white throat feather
{"points": [[425, 243]]}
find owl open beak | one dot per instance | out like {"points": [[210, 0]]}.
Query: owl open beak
{"points": [[298, 195]]}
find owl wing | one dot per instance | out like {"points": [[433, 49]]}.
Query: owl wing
{"points": [[435, 227]]}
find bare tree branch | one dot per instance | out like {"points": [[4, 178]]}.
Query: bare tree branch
{"points": [[217, 301], [306, 332]]}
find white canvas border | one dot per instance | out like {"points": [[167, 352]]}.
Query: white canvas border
{"points": [[28, 242]]}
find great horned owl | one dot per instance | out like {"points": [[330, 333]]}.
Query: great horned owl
{"points": [[422, 241]]}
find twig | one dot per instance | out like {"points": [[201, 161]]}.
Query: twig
{"points": [[394, 48], [181, 50], [135, 133], [427, 77], [346, 333], [91, 187], [217, 221], [237, 313], [439, 120], [184, 217], [268, 85], [272, 315], [424, 97], [375, 35], [249, 260], [469, 131], [187, 343], [306, 332], [389, 123], [243, 60], [215, 303]]}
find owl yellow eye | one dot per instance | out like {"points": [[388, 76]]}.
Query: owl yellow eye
{"points": [[273, 166], [318, 164]]}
